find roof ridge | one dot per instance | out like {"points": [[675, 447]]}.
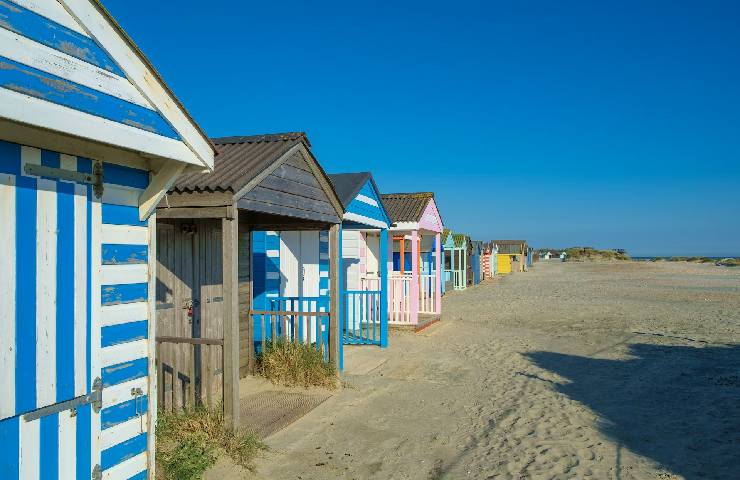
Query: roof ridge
{"points": [[266, 137]]}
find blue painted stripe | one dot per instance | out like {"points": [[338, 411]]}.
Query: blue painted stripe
{"points": [[121, 215], [49, 433], [112, 416], [10, 440], [65, 327], [124, 293], [84, 434], [125, 176], [123, 372], [45, 86], [25, 294], [118, 254], [47, 32], [140, 476], [84, 165], [121, 452], [10, 158], [125, 332]]}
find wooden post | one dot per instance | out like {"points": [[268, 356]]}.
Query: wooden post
{"points": [[230, 229], [438, 273], [414, 287], [383, 288], [334, 264], [250, 299]]}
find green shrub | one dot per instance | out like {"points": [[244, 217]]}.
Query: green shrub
{"points": [[189, 442], [296, 364]]}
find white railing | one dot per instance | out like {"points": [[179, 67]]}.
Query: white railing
{"points": [[427, 293], [369, 283], [399, 299], [458, 276]]}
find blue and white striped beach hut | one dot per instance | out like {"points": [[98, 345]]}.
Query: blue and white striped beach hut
{"points": [[90, 139]]}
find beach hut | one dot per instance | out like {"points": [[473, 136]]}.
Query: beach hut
{"points": [[90, 140], [364, 271], [257, 240], [448, 247], [485, 261], [494, 259], [457, 260], [511, 256], [475, 262], [414, 285]]}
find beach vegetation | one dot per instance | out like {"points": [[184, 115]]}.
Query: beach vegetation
{"points": [[296, 364], [580, 254], [188, 442]]}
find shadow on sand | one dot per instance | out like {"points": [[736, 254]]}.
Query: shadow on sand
{"points": [[677, 405]]}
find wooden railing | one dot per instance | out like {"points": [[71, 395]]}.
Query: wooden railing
{"points": [[427, 293], [459, 284], [189, 372], [399, 299], [361, 319]]}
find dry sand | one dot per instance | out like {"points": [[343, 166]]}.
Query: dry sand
{"points": [[607, 371]]}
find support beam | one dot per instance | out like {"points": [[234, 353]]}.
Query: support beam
{"points": [[438, 272], [230, 229], [414, 288], [383, 288], [335, 254], [158, 186]]}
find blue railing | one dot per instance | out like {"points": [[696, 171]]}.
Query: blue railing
{"points": [[362, 317], [298, 319]]}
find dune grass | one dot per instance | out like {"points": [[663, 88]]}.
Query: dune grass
{"points": [[189, 442], [295, 364], [592, 254]]}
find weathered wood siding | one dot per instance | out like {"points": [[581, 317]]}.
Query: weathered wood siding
{"points": [[244, 255], [291, 190]]}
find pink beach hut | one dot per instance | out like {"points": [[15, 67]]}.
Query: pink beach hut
{"points": [[414, 259]]}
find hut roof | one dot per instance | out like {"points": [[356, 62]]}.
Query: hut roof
{"points": [[240, 160], [459, 238], [348, 185], [406, 207]]}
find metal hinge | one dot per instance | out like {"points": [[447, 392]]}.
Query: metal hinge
{"points": [[95, 398], [97, 473], [95, 178]]}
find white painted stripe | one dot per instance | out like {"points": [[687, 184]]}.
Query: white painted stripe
{"points": [[124, 274], [271, 233], [323, 274], [95, 350], [7, 296], [80, 300], [365, 199], [30, 451], [272, 295], [126, 469], [23, 108], [123, 431], [29, 156], [401, 226], [26, 51], [123, 313], [67, 162], [46, 291], [122, 392], [67, 445], [353, 217], [272, 275], [323, 292], [121, 195], [273, 253], [124, 352], [323, 256], [53, 11], [124, 234]]}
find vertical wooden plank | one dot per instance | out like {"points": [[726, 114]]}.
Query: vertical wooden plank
{"points": [[438, 273], [335, 255], [152, 335], [230, 229]]}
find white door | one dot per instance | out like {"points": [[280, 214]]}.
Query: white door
{"points": [[290, 272], [309, 262]]}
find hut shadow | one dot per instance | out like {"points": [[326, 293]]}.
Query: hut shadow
{"points": [[676, 405]]}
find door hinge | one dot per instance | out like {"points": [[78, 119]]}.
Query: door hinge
{"points": [[94, 398], [97, 473], [95, 178]]}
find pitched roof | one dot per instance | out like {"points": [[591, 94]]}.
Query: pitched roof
{"points": [[240, 160], [459, 239], [509, 242], [348, 185], [406, 207]]}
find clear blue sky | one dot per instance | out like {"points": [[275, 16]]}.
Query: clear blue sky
{"points": [[610, 124]]}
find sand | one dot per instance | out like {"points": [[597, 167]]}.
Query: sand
{"points": [[571, 370]]}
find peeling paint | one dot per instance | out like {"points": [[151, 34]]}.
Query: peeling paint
{"points": [[83, 53], [10, 7]]}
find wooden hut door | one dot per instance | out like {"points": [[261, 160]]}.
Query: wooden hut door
{"points": [[189, 306]]}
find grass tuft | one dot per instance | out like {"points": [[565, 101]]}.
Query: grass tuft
{"points": [[189, 443], [296, 365], [579, 254]]}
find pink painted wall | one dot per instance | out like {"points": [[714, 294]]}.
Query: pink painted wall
{"points": [[430, 219]]}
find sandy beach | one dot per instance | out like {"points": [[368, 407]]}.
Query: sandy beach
{"points": [[573, 370]]}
